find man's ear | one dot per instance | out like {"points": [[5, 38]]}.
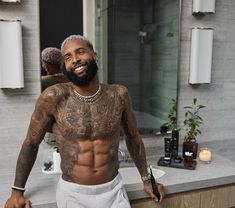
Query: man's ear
{"points": [[44, 65], [95, 57], [62, 67]]}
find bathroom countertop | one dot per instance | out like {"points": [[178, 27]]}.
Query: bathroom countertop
{"points": [[40, 188]]}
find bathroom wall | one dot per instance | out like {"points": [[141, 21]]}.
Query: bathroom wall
{"points": [[16, 105], [219, 96]]}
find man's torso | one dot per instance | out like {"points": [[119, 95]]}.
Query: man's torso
{"points": [[87, 134]]}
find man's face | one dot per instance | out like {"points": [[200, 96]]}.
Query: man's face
{"points": [[80, 62]]}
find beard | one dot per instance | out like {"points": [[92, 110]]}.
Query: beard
{"points": [[84, 80]]}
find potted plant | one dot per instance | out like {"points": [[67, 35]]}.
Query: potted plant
{"points": [[172, 120], [192, 123], [171, 123]]}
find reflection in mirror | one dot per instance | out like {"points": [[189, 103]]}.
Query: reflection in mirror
{"points": [[51, 59], [54, 29], [143, 42]]}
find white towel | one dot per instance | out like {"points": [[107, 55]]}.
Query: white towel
{"points": [[107, 195]]}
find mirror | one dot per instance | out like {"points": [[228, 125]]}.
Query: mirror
{"points": [[56, 23], [143, 48]]}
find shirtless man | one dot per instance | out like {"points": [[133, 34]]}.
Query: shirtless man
{"points": [[87, 116]]}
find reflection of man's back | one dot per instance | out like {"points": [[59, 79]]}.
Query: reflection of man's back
{"points": [[49, 80]]}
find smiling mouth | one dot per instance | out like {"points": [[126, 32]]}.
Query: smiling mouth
{"points": [[80, 69]]}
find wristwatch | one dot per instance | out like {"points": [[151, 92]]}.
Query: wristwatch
{"points": [[146, 178]]}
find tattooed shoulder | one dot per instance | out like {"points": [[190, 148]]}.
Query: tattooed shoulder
{"points": [[55, 92], [52, 96]]}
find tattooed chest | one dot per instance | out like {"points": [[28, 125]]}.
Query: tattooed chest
{"points": [[90, 121]]}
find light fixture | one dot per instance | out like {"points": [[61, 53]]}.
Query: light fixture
{"points": [[203, 6], [10, 1], [201, 55], [11, 54]]}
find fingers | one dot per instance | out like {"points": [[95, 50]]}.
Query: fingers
{"points": [[161, 191], [152, 196], [148, 189], [22, 202], [28, 204]]}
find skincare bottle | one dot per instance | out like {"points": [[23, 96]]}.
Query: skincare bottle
{"points": [[168, 148], [56, 160], [175, 143]]}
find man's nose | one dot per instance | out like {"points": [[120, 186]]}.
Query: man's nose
{"points": [[76, 59]]}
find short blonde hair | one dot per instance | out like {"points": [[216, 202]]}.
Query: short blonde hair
{"points": [[77, 37], [51, 55]]}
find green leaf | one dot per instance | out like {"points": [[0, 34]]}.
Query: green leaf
{"points": [[201, 106], [192, 119], [188, 107]]}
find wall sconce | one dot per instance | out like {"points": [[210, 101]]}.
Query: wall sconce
{"points": [[10, 1], [203, 6], [11, 54], [201, 55]]}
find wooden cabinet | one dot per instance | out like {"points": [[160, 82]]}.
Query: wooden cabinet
{"points": [[217, 197]]}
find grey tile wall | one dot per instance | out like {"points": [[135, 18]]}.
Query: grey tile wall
{"points": [[219, 95], [16, 105]]}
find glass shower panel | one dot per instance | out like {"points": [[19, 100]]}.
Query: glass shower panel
{"points": [[143, 38]]}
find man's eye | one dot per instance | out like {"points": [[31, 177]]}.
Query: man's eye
{"points": [[67, 58], [81, 52]]}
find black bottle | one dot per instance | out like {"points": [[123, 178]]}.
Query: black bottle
{"points": [[168, 147], [175, 143]]}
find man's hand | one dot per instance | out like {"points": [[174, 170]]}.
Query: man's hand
{"points": [[17, 199], [148, 189]]}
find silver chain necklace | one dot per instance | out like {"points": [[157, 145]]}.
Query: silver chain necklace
{"points": [[89, 98]]}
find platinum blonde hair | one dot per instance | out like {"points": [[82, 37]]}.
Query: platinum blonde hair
{"points": [[77, 37], [51, 55]]}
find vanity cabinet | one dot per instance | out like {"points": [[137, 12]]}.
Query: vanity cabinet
{"points": [[217, 197]]}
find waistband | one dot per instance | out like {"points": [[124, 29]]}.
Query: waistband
{"points": [[91, 189]]}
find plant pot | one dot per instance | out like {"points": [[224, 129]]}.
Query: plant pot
{"points": [[190, 147]]}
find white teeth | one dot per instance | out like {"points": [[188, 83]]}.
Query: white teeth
{"points": [[79, 69]]}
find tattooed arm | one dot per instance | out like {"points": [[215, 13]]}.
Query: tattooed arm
{"points": [[135, 144], [42, 117]]}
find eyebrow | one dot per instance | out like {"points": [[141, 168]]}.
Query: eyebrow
{"points": [[77, 49]]}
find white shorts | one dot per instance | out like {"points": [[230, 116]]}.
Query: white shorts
{"points": [[107, 195]]}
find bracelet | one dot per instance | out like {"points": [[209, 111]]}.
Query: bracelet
{"points": [[18, 188], [146, 178]]}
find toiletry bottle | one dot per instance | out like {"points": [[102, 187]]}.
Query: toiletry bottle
{"points": [[168, 148], [175, 143], [56, 160]]}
